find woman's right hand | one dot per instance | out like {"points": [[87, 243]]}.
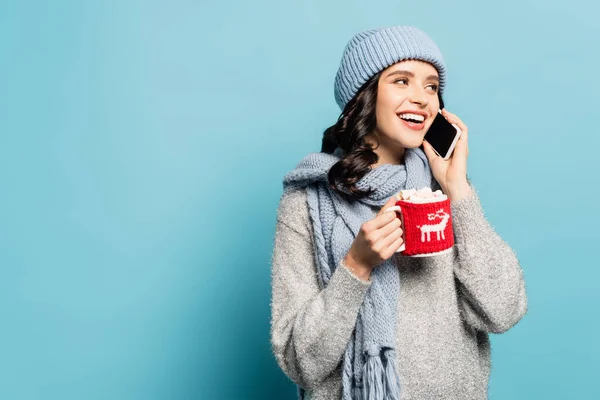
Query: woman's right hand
{"points": [[377, 240]]}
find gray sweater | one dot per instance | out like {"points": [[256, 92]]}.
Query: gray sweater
{"points": [[448, 305]]}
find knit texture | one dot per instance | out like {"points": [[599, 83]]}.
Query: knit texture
{"points": [[369, 366], [427, 227], [371, 51], [447, 307]]}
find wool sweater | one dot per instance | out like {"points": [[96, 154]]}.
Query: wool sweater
{"points": [[447, 307]]}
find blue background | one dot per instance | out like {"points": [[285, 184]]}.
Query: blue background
{"points": [[142, 149]]}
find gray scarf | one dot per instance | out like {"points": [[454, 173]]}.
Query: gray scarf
{"points": [[368, 366]]}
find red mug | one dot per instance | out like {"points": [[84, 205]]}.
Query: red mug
{"points": [[427, 227]]}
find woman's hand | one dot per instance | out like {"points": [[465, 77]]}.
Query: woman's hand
{"points": [[377, 240], [451, 174]]}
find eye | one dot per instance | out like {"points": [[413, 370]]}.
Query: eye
{"points": [[434, 88], [403, 80]]}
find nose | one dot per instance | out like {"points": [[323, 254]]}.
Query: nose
{"points": [[419, 97]]}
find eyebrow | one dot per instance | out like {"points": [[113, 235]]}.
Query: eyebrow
{"points": [[411, 75]]}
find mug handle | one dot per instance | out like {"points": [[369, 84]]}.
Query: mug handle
{"points": [[403, 245]]}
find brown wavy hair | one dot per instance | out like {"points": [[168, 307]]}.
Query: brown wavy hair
{"points": [[357, 120]]}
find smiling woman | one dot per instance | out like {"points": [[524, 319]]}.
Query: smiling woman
{"points": [[389, 107], [403, 78], [351, 318], [407, 103]]}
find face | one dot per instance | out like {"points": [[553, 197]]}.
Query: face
{"points": [[407, 103]]}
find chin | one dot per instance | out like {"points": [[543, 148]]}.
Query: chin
{"points": [[412, 143]]}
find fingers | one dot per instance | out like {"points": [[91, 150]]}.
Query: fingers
{"points": [[462, 145], [378, 239], [453, 119], [396, 244], [383, 224], [429, 151], [378, 234], [390, 203], [387, 241], [379, 221], [389, 228]]}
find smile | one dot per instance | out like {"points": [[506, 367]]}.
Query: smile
{"points": [[412, 121]]}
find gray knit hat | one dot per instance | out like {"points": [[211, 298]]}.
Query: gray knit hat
{"points": [[370, 52]]}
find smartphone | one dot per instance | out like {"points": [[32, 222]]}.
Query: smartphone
{"points": [[442, 135]]}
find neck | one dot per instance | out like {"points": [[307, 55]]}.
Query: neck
{"points": [[386, 154]]}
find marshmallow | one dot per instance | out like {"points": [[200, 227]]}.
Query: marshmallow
{"points": [[405, 194], [423, 195], [424, 192]]}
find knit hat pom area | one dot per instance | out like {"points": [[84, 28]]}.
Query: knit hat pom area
{"points": [[372, 51]]}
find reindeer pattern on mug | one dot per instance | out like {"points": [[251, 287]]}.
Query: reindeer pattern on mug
{"points": [[427, 227], [437, 228]]}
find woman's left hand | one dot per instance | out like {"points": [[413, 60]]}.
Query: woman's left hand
{"points": [[451, 174]]}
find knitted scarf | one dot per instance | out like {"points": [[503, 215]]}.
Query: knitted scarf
{"points": [[368, 365]]}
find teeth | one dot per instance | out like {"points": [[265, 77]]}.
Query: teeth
{"points": [[416, 117]]}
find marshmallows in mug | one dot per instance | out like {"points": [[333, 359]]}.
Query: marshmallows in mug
{"points": [[423, 195]]}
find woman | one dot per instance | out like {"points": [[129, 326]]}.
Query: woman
{"points": [[350, 318]]}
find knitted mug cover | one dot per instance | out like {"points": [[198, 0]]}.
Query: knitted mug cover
{"points": [[427, 227]]}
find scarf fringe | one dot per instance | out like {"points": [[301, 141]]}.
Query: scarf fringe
{"points": [[357, 393], [392, 383], [373, 374]]}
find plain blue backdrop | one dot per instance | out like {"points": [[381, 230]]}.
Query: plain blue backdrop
{"points": [[142, 149]]}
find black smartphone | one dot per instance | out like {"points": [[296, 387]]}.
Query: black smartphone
{"points": [[442, 135]]}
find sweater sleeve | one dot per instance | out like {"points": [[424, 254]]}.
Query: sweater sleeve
{"points": [[310, 327], [490, 284]]}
